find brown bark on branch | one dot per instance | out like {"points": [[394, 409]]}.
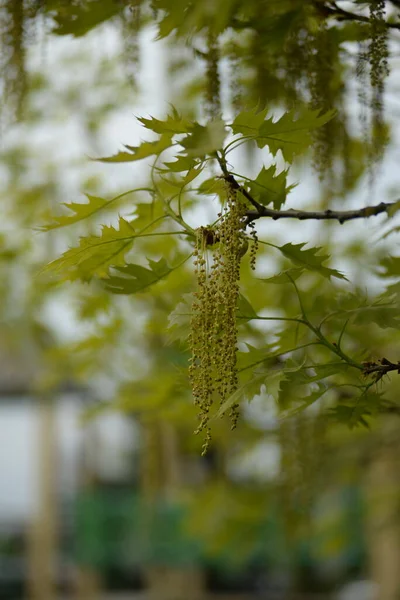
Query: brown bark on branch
{"points": [[345, 15], [326, 10], [336, 215], [380, 368]]}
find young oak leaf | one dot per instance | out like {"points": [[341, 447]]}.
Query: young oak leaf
{"points": [[215, 186], [285, 276], [392, 210], [79, 212], [309, 259], [245, 311], [248, 122], [252, 388], [204, 139], [173, 124], [289, 134], [356, 412], [78, 18], [384, 315], [95, 254], [179, 320], [188, 178], [270, 188], [182, 163], [299, 389], [145, 150], [183, 18], [255, 359], [301, 403], [135, 278], [268, 380], [391, 266], [362, 310]]}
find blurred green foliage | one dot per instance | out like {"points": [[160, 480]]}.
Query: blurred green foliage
{"points": [[260, 90]]}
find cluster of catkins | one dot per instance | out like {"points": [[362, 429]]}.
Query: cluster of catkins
{"points": [[213, 337], [378, 55]]}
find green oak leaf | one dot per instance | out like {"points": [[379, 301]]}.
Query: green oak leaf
{"points": [[179, 320], [248, 122], [385, 316], [173, 124], [190, 176], [204, 139], [244, 309], [135, 278], [290, 133], [182, 163], [270, 188], [309, 259], [254, 358], [95, 253], [145, 150], [252, 388], [215, 186], [78, 18], [392, 210], [300, 388], [285, 276], [80, 211], [356, 412], [301, 403], [390, 266]]}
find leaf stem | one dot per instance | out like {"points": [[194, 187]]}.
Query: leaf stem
{"points": [[257, 318], [333, 347], [277, 355]]}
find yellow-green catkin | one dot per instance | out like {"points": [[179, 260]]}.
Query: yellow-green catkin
{"points": [[362, 92], [323, 96], [235, 84], [254, 245], [131, 23], [213, 337], [201, 336], [378, 55], [227, 292], [213, 83], [14, 77]]}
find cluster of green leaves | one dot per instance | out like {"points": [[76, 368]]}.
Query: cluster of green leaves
{"points": [[194, 145], [296, 370], [141, 251], [303, 335]]}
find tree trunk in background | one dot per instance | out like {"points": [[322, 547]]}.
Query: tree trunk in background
{"points": [[88, 584], [160, 479], [42, 547], [169, 583], [88, 578], [383, 514]]}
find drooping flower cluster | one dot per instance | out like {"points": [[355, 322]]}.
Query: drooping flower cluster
{"points": [[213, 337], [13, 20], [378, 55], [213, 83], [325, 95], [131, 18]]}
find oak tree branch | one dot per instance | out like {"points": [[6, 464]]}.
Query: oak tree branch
{"points": [[333, 215], [380, 368], [336, 215], [332, 9]]}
